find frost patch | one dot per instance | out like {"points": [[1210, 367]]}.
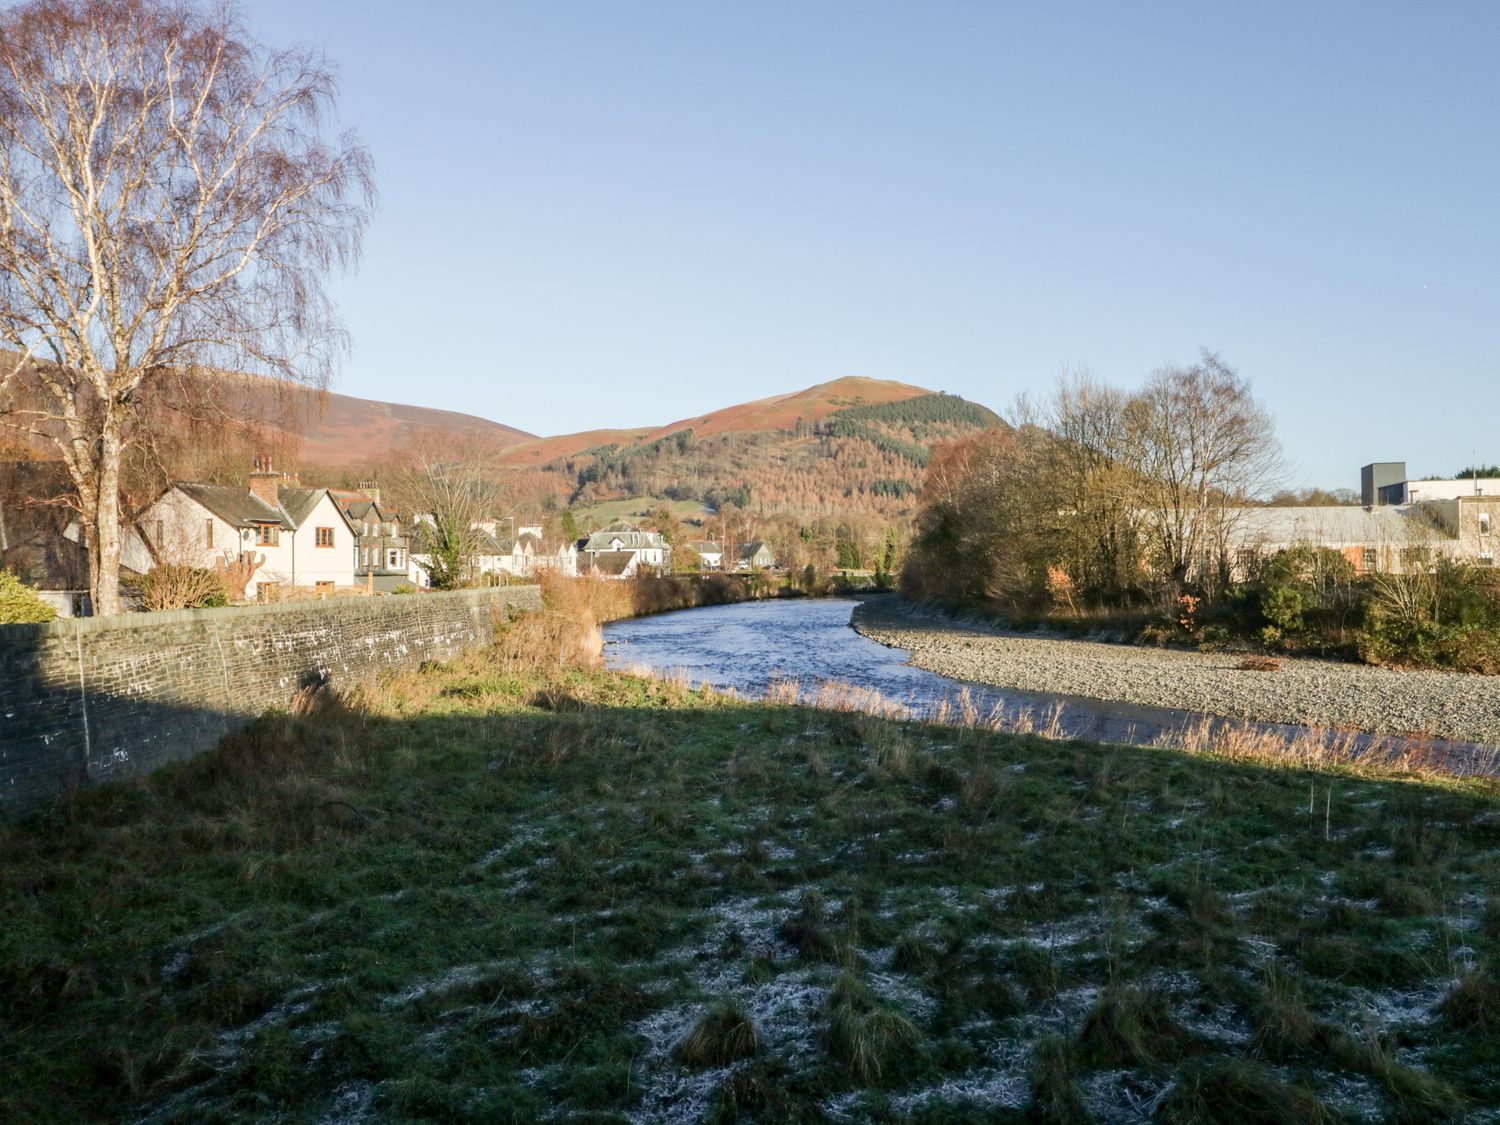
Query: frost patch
{"points": [[786, 1012], [353, 1102], [1121, 1095], [1412, 1007], [459, 976], [982, 1089]]}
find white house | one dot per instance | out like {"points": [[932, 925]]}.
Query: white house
{"points": [[622, 551], [301, 535], [710, 554], [523, 555]]}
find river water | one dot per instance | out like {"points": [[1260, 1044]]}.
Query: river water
{"points": [[752, 646]]}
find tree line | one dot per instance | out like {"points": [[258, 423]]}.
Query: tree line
{"points": [[1099, 505], [1107, 497]]}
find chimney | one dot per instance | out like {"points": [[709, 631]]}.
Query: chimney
{"points": [[264, 481]]}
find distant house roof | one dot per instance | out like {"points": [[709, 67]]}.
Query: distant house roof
{"points": [[630, 540], [751, 549], [487, 544], [612, 564], [706, 547], [1333, 526]]}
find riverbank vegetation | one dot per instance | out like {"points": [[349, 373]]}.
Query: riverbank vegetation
{"points": [[516, 885], [1101, 510]]}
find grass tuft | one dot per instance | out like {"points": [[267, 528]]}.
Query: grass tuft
{"points": [[1474, 1002], [1238, 1092], [866, 1035], [1055, 1097], [723, 1035], [1132, 1027]]}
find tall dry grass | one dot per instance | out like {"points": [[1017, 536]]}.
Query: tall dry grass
{"points": [[1317, 749]]}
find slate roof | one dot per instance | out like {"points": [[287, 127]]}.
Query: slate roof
{"points": [[299, 502], [235, 504], [487, 544], [629, 540], [612, 564]]}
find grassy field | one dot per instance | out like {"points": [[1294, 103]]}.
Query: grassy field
{"points": [[488, 891], [606, 512]]}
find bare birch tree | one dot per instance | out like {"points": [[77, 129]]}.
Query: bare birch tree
{"points": [[1200, 445], [172, 195]]}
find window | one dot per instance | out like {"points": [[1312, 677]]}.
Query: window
{"points": [[1486, 560], [323, 588], [325, 537], [269, 535], [269, 591], [208, 533], [1415, 558], [1484, 523], [1369, 560], [393, 560]]}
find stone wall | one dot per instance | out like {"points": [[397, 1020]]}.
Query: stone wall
{"points": [[105, 698]]}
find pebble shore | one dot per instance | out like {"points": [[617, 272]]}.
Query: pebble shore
{"points": [[1317, 693]]}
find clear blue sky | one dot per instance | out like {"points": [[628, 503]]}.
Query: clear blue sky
{"points": [[625, 213]]}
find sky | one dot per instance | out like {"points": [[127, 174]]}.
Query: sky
{"points": [[626, 213]]}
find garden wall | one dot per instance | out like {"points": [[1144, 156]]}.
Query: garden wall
{"points": [[105, 698]]}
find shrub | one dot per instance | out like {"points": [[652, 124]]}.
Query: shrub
{"points": [[1305, 598], [174, 586], [20, 604]]}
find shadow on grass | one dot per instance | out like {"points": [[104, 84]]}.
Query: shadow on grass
{"points": [[477, 891]]}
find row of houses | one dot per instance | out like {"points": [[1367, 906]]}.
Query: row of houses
{"points": [[319, 538], [623, 551], [272, 536]]}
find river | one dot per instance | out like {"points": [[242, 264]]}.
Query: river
{"points": [[751, 646]]}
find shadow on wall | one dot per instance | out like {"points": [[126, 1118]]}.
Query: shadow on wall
{"points": [[104, 699]]}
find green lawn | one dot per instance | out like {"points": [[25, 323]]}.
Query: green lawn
{"points": [[481, 896]]}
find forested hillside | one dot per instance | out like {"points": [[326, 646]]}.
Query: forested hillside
{"points": [[862, 458]]}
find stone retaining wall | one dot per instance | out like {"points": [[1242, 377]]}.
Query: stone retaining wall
{"points": [[104, 698]]}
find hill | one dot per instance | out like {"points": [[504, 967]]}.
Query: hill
{"points": [[336, 431], [853, 445]]}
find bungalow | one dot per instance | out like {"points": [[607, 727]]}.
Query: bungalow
{"points": [[298, 537]]}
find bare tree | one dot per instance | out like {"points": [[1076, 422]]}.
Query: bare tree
{"points": [[170, 201], [451, 491], [1201, 446]]}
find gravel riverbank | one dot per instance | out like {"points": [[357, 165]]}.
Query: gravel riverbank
{"points": [[1316, 693]]}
